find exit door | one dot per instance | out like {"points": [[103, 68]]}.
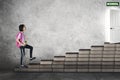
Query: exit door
{"points": [[114, 26]]}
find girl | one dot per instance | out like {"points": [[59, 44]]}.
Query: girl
{"points": [[22, 44]]}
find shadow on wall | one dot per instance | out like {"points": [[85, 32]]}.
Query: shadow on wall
{"points": [[5, 52]]}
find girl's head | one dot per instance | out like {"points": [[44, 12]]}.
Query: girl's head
{"points": [[22, 27]]}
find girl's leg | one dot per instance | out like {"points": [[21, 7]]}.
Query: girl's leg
{"points": [[22, 55], [31, 49]]}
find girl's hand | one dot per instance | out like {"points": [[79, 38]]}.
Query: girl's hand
{"points": [[23, 44]]}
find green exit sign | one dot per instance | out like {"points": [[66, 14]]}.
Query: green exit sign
{"points": [[112, 3]]}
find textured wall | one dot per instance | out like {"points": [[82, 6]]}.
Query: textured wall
{"points": [[53, 26]]}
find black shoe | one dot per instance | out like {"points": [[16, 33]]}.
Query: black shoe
{"points": [[32, 58]]}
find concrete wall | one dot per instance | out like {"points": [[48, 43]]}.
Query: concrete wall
{"points": [[53, 27]]}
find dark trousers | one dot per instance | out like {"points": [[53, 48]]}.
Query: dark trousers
{"points": [[22, 49]]}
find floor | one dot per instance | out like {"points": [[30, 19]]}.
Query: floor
{"points": [[9, 75]]}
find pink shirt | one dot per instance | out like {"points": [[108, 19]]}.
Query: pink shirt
{"points": [[21, 38]]}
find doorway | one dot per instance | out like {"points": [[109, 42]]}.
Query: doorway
{"points": [[114, 26]]}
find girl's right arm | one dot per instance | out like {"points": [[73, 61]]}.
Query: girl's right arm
{"points": [[18, 40]]}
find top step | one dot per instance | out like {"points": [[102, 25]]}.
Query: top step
{"points": [[116, 44], [109, 45]]}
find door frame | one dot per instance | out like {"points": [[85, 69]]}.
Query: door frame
{"points": [[107, 23]]}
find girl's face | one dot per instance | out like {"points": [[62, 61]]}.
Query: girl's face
{"points": [[24, 28]]}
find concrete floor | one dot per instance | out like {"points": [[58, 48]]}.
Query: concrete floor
{"points": [[9, 75]]}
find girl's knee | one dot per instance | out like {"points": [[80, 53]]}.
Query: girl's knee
{"points": [[31, 47]]}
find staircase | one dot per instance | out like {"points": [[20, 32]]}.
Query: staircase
{"points": [[105, 58]]}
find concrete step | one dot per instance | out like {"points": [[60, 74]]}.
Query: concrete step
{"points": [[70, 67], [70, 62], [109, 48], [95, 62], [95, 59], [117, 45], [107, 70], [117, 67], [45, 66], [46, 61], [96, 52], [94, 70], [117, 55], [59, 58], [107, 67], [117, 63], [71, 59], [96, 47], [82, 66], [108, 59], [83, 59], [72, 54], [46, 70], [117, 52], [108, 63], [58, 70], [58, 62], [117, 59], [82, 62], [96, 55], [94, 66], [82, 70], [109, 45], [108, 56], [58, 66], [116, 70], [34, 66], [110, 52], [70, 70], [84, 51], [83, 55], [117, 48]]}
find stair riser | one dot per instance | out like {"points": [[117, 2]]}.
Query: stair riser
{"points": [[59, 59], [46, 62], [70, 62], [93, 52], [71, 55], [97, 48], [70, 70], [110, 45], [94, 70], [82, 70], [97, 55], [82, 56], [95, 59], [83, 59], [106, 48], [46, 66], [83, 63], [58, 70], [58, 62], [58, 66], [71, 59], [84, 52]]}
